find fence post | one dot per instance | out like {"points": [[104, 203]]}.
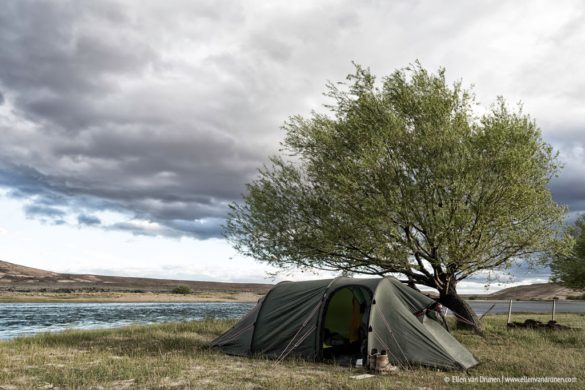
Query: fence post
{"points": [[554, 309], [510, 311]]}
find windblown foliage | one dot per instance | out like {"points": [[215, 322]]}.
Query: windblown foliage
{"points": [[403, 178]]}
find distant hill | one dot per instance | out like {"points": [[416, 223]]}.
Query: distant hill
{"points": [[14, 277], [534, 291]]}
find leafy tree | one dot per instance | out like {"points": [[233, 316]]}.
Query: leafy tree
{"points": [[403, 178], [569, 270]]}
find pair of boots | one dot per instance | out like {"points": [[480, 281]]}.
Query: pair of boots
{"points": [[379, 363]]}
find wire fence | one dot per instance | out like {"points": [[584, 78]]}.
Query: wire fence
{"points": [[565, 313]]}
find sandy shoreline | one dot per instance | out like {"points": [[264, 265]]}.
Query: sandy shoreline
{"points": [[123, 297]]}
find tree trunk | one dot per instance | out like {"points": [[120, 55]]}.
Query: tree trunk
{"points": [[466, 317]]}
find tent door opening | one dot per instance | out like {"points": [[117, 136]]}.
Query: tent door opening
{"points": [[344, 334]]}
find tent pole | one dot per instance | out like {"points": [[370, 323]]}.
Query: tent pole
{"points": [[490, 309]]}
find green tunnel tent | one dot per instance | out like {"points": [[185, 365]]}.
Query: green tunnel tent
{"points": [[345, 318]]}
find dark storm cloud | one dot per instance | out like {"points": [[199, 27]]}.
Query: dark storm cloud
{"points": [[570, 191], [92, 130], [202, 228], [45, 214], [88, 220], [162, 111], [44, 211], [569, 187], [61, 58]]}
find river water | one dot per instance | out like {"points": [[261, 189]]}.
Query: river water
{"points": [[23, 319]]}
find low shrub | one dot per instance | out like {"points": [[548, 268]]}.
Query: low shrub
{"points": [[182, 290]]}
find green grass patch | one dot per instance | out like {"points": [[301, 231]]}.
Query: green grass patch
{"points": [[176, 356]]}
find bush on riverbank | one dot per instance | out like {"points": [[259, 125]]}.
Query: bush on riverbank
{"points": [[182, 289], [176, 356], [577, 297]]}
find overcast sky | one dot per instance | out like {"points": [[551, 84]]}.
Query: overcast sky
{"points": [[128, 126]]}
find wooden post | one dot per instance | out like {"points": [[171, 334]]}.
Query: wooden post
{"points": [[510, 312], [554, 309]]}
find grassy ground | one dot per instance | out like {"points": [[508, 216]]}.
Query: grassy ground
{"points": [[176, 356]]}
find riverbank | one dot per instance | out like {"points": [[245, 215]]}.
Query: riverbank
{"points": [[176, 356], [126, 297], [197, 296]]}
